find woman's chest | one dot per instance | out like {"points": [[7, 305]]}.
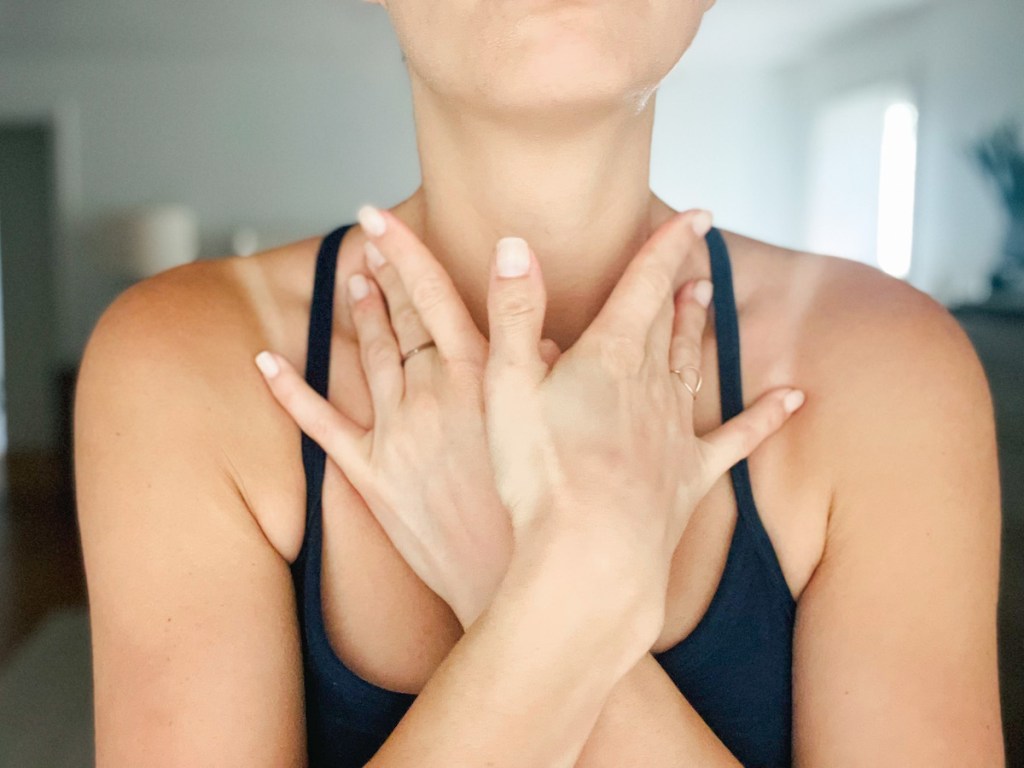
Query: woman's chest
{"points": [[389, 628], [386, 626]]}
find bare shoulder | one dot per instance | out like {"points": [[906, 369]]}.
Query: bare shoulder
{"points": [[193, 622], [899, 423], [891, 381], [887, 368], [885, 348], [857, 335], [210, 307], [180, 345]]}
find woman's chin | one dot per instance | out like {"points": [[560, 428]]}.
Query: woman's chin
{"points": [[595, 89]]}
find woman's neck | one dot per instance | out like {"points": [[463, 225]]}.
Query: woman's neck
{"points": [[577, 190]]}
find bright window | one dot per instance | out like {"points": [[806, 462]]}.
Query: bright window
{"points": [[863, 161]]}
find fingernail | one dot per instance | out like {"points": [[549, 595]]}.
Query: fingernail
{"points": [[513, 257], [371, 220], [702, 292], [793, 400], [267, 364], [373, 255], [701, 223], [358, 288]]}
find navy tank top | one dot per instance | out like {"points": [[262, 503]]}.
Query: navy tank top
{"points": [[734, 668]]}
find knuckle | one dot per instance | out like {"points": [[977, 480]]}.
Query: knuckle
{"points": [[466, 373], [291, 394], [686, 349], [379, 353], [428, 292], [653, 283], [386, 277], [514, 308], [317, 425], [620, 354], [749, 436], [426, 407], [405, 316]]}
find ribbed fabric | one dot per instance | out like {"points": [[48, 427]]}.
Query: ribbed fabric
{"points": [[734, 667]]}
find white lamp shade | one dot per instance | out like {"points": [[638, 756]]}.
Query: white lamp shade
{"points": [[155, 239]]}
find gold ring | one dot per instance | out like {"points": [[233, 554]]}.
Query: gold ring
{"points": [[700, 379], [414, 350]]}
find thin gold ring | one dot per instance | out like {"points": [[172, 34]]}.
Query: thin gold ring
{"points": [[414, 350], [700, 379]]}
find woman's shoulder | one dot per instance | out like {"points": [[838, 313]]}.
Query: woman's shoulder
{"points": [[184, 341], [207, 313], [884, 363], [842, 314]]}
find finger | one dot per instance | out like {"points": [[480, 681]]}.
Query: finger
{"points": [[651, 278], [427, 284], [685, 348], [340, 437], [516, 302], [659, 338], [739, 436], [378, 349], [405, 322], [549, 352]]}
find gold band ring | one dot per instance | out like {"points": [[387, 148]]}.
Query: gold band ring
{"points": [[414, 350], [700, 379]]}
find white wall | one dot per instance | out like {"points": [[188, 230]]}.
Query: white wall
{"points": [[723, 140], [288, 117], [965, 61], [290, 139]]}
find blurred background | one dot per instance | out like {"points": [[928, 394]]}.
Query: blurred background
{"points": [[138, 135]]}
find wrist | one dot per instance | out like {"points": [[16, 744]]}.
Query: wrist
{"points": [[470, 608], [585, 586]]}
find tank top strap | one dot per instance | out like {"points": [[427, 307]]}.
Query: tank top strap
{"points": [[318, 366], [730, 384], [727, 331]]}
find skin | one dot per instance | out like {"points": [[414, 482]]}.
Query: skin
{"points": [[880, 495], [454, 489]]}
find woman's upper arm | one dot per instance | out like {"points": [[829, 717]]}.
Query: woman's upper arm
{"points": [[195, 646], [895, 639]]}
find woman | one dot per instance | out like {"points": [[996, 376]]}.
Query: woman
{"points": [[534, 543]]}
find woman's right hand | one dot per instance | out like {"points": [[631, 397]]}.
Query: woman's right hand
{"points": [[598, 449]]}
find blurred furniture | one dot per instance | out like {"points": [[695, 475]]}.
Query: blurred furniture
{"points": [[146, 240], [66, 379], [997, 330]]}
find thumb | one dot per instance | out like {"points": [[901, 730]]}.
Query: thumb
{"points": [[549, 352], [516, 301]]}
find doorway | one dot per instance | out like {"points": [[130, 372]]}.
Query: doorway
{"points": [[28, 395]]}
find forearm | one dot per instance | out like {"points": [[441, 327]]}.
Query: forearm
{"points": [[647, 722], [527, 682]]}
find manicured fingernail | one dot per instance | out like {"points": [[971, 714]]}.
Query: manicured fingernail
{"points": [[513, 257], [793, 400], [267, 364], [372, 221], [373, 255], [358, 288], [701, 223], [702, 292]]}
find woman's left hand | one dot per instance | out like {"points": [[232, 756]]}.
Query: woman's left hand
{"points": [[424, 467]]}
